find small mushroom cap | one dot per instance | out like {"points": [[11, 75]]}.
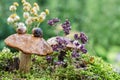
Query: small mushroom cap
{"points": [[29, 44], [53, 41]]}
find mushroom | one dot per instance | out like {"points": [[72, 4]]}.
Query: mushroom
{"points": [[53, 41], [28, 45]]}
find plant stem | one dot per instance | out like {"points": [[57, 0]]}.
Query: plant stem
{"points": [[38, 24]]}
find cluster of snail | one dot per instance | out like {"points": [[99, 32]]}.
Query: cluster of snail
{"points": [[37, 32]]}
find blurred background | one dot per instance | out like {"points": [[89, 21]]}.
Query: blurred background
{"points": [[99, 19]]}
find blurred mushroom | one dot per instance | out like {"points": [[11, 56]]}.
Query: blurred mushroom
{"points": [[28, 45], [53, 41]]}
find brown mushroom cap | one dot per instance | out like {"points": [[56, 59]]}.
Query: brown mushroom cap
{"points": [[29, 44], [52, 41]]}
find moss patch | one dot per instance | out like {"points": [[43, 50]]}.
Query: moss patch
{"points": [[90, 68]]}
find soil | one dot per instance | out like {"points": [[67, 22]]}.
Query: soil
{"points": [[12, 64]]}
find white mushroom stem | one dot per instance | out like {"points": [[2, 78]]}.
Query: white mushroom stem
{"points": [[25, 62]]}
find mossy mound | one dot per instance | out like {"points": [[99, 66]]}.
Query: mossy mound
{"points": [[90, 68]]}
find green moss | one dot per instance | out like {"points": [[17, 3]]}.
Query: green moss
{"points": [[95, 69]]}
